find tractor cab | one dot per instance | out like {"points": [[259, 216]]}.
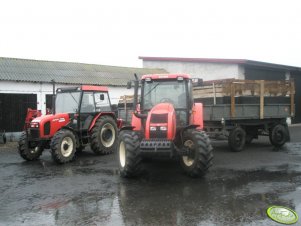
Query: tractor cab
{"points": [[172, 89], [82, 103]]}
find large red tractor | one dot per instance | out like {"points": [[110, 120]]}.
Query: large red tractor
{"points": [[82, 115], [166, 122]]}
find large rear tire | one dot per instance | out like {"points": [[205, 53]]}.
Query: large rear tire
{"points": [[237, 139], [63, 146], [104, 135], [129, 160], [197, 163], [279, 135], [27, 151]]}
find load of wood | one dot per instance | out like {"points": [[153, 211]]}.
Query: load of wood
{"points": [[257, 92]]}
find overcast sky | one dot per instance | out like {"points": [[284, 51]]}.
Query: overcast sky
{"points": [[116, 32]]}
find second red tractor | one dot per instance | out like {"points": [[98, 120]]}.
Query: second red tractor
{"points": [[82, 115]]}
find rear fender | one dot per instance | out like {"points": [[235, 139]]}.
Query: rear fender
{"points": [[98, 116], [196, 117]]}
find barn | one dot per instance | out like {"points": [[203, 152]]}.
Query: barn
{"points": [[28, 84], [212, 69]]}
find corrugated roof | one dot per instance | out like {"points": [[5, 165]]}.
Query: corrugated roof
{"points": [[12, 69]]}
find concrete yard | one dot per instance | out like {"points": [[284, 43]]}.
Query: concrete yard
{"points": [[237, 190]]}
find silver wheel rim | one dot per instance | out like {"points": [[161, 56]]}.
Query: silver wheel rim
{"points": [[67, 146], [122, 154], [107, 135], [186, 159]]}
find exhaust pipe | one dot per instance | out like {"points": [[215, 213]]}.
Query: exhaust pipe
{"points": [[135, 101]]}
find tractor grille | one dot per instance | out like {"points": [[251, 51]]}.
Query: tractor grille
{"points": [[159, 118], [158, 133], [34, 133]]}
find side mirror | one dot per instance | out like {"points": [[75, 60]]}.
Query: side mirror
{"points": [[197, 82], [102, 96], [129, 85]]}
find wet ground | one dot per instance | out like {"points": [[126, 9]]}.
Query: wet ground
{"points": [[237, 190]]}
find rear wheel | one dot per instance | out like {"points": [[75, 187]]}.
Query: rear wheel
{"points": [[63, 146], [237, 139], [128, 154], [27, 150], [104, 135], [279, 135], [200, 158]]}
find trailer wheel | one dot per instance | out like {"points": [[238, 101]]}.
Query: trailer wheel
{"points": [[104, 135], [279, 135], [130, 162], [27, 151], [237, 139], [200, 158], [63, 146]]}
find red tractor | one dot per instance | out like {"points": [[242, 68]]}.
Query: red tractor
{"points": [[82, 115], [166, 122]]}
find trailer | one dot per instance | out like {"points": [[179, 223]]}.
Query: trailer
{"points": [[243, 110]]}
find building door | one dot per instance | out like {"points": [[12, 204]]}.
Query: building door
{"points": [[49, 101], [13, 110]]}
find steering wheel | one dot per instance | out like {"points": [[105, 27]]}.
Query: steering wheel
{"points": [[166, 100]]}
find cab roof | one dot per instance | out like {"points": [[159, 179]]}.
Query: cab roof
{"points": [[166, 76], [84, 88]]}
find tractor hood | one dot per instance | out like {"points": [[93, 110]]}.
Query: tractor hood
{"points": [[161, 122], [48, 125], [62, 117]]}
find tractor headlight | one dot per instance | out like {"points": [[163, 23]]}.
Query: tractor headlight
{"points": [[153, 128], [34, 125], [163, 128]]}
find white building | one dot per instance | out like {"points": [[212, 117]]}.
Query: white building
{"points": [[28, 84]]}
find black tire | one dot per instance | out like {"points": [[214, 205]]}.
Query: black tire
{"points": [[237, 139], [129, 160], [63, 146], [279, 135], [201, 157], [26, 152], [104, 135]]}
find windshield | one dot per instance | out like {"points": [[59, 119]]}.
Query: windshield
{"points": [[67, 102], [173, 92]]}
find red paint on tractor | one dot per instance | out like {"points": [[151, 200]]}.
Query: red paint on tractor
{"points": [[159, 109], [196, 117], [94, 88], [165, 76]]}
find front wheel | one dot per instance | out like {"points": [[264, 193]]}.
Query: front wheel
{"points": [[200, 155], [27, 150], [279, 135], [104, 135], [63, 146], [128, 157]]}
